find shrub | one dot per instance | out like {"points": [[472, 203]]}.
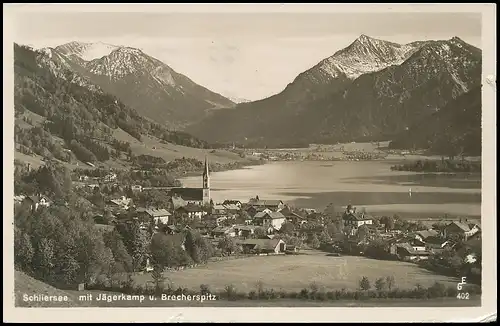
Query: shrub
{"points": [[252, 295], [230, 292], [204, 289], [304, 294]]}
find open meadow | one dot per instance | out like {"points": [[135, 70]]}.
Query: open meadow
{"points": [[27, 286], [296, 272]]}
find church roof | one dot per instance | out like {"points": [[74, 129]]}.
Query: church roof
{"points": [[188, 194]]}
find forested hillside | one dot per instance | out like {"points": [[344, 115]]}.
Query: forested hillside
{"points": [[75, 119]]}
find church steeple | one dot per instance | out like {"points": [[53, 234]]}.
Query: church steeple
{"points": [[206, 183]]}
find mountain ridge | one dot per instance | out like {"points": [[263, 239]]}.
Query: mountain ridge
{"points": [[143, 82], [432, 73]]}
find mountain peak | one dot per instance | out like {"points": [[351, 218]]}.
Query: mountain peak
{"points": [[87, 51], [364, 37]]}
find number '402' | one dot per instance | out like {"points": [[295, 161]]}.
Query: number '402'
{"points": [[463, 296]]}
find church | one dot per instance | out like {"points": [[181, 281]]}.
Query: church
{"points": [[199, 196]]}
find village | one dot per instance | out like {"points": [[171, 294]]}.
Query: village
{"points": [[262, 226]]}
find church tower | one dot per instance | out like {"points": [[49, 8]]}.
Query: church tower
{"points": [[206, 184]]}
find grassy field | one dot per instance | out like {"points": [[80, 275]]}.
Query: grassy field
{"points": [[293, 273], [25, 285]]}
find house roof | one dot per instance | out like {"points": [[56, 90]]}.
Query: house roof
{"points": [[462, 226], [245, 227], [272, 215], [427, 233], [121, 201], [33, 198], [408, 248], [266, 244], [435, 240], [357, 216], [188, 194], [158, 212], [178, 202], [272, 202], [191, 208], [231, 202], [231, 207], [223, 229]]}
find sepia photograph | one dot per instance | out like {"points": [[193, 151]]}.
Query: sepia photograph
{"points": [[281, 157]]}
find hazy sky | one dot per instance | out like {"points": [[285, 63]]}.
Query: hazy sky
{"points": [[248, 56]]}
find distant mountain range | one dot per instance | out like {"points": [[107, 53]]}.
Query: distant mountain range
{"points": [[63, 115], [372, 89], [142, 82]]}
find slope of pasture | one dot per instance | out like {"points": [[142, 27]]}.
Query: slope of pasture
{"points": [[169, 152], [296, 272], [26, 285]]}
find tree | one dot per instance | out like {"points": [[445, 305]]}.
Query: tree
{"points": [[164, 252], [380, 284], [287, 228], [123, 260], [158, 278], [324, 237], [364, 284], [390, 282], [43, 260], [260, 233], [388, 222], [23, 250], [330, 210], [332, 229], [227, 245], [363, 232], [136, 242], [198, 247], [315, 242]]}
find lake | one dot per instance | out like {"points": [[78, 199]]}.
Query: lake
{"points": [[369, 184]]}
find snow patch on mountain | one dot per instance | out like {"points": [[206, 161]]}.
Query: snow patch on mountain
{"points": [[60, 66], [365, 55], [87, 51]]}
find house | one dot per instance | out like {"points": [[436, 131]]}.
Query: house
{"points": [[34, 202], [192, 211], [406, 252], [158, 215], [435, 242], [222, 231], [121, 203], [295, 218], [353, 220], [237, 203], [245, 231], [136, 188], [274, 205], [459, 229], [253, 210], [261, 246], [232, 206], [425, 234], [19, 199], [219, 209], [417, 245], [110, 177], [270, 219]]}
